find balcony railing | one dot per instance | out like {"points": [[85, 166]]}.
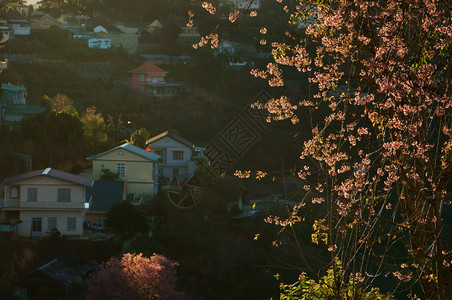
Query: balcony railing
{"points": [[14, 204]]}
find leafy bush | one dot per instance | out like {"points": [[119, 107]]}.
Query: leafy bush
{"points": [[126, 219], [309, 289]]}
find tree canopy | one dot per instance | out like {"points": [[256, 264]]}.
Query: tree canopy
{"points": [[126, 219], [135, 277], [377, 160]]}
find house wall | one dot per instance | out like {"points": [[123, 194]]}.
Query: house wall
{"points": [[143, 79], [14, 97], [45, 23], [92, 216], [61, 218], [138, 170], [21, 29], [129, 42], [99, 43], [47, 194], [185, 166], [189, 33]]}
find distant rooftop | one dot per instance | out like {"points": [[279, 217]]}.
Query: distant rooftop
{"points": [[171, 135], [131, 148], [12, 87], [148, 68], [50, 173]]}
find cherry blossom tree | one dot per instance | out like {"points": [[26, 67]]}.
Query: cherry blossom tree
{"points": [[135, 277], [379, 158]]}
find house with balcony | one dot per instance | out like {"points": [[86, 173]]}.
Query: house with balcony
{"points": [[150, 79], [18, 25], [178, 156], [46, 200], [136, 166]]}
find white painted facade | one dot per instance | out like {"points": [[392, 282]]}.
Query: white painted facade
{"points": [[99, 29], [36, 199], [177, 158], [95, 43]]}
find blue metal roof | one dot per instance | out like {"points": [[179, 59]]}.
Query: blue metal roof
{"points": [[106, 193], [134, 149], [12, 87]]}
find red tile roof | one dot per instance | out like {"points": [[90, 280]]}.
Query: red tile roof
{"points": [[148, 68]]}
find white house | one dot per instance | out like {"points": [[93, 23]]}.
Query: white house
{"points": [[18, 25], [99, 43], [178, 155], [46, 199]]}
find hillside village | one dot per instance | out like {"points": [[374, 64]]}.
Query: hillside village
{"points": [[70, 157], [128, 142]]}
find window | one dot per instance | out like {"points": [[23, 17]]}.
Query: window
{"points": [[178, 155], [121, 169], [32, 194], [160, 152], [36, 224], [101, 221], [64, 195], [14, 192], [52, 224], [141, 77], [120, 152], [71, 223], [175, 173]]}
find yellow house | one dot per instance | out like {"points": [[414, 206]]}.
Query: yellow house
{"points": [[136, 166]]}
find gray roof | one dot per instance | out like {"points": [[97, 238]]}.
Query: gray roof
{"points": [[24, 109], [106, 193], [12, 87], [60, 273], [134, 149], [51, 173], [171, 135], [111, 28]]}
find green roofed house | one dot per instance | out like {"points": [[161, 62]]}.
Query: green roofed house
{"points": [[136, 166], [15, 113], [105, 194], [13, 94]]}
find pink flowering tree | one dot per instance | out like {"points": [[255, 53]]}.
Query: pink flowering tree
{"points": [[135, 277], [379, 157]]}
